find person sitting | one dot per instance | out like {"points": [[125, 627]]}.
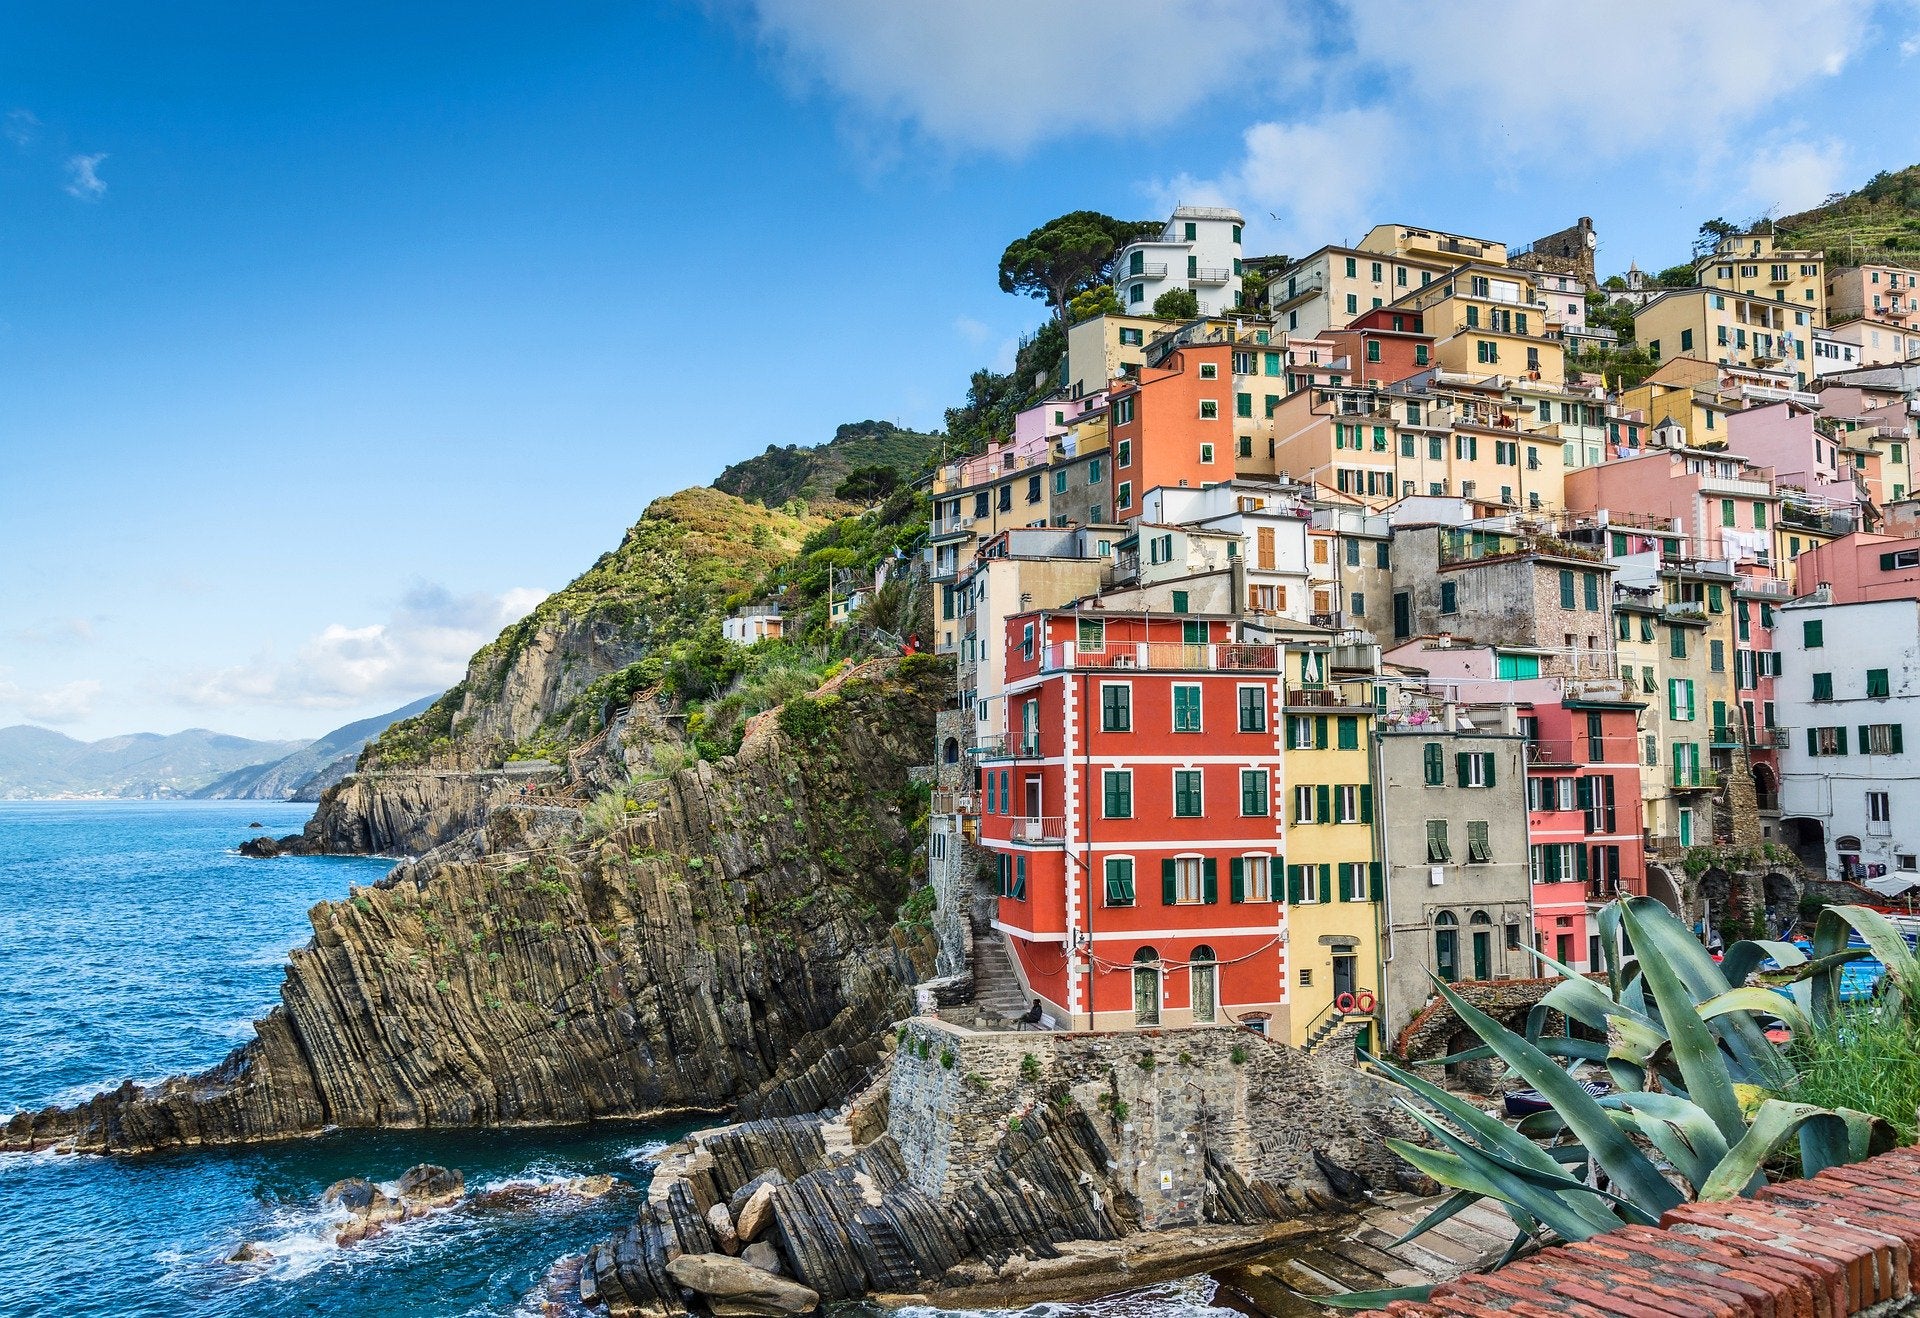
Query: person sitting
{"points": [[1030, 1019]]}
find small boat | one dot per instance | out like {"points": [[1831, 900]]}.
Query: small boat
{"points": [[1526, 1102]]}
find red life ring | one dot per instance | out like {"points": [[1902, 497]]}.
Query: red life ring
{"points": [[1344, 1004], [1365, 1002]]}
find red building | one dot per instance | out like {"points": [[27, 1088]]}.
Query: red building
{"points": [[1583, 819], [1134, 818], [1384, 346]]}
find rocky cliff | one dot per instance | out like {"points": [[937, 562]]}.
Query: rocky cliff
{"points": [[730, 939]]}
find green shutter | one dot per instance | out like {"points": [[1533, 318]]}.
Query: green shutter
{"points": [[1813, 741], [1366, 803], [1580, 864], [1460, 767], [1841, 733], [1373, 880], [1489, 767], [1566, 589], [1210, 880], [1865, 740], [1169, 886], [1346, 882], [1319, 732], [1323, 803], [1435, 769], [1326, 882], [1236, 879], [1293, 884]]}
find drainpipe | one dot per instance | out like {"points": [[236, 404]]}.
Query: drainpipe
{"points": [[1386, 873], [1086, 849]]}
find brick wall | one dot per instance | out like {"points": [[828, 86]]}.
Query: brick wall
{"points": [[1844, 1242]]}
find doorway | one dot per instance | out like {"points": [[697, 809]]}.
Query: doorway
{"points": [[1205, 990], [1446, 946], [1482, 945], [1343, 973], [1146, 987]]}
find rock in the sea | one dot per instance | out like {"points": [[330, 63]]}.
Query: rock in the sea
{"points": [[756, 1212], [732, 1287], [265, 848], [591, 1187], [721, 1224], [428, 1186], [362, 1198], [762, 1255], [525, 1196], [250, 1253]]}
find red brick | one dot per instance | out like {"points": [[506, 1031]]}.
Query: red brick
{"points": [[1827, 1280], [1674, 1269]]}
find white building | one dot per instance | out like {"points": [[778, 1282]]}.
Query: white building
{"points": [[1833, 353], [1199, 249], [1271, 526], [1848, 687], [756, 622]]}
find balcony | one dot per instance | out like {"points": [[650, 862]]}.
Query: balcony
{"points": [[1771, 739], [943, 527], [1024, 746], [1559, 753], [1146, 270], [1164, 655], [1314, 697], [1662, 844], [1037, 830], [1764, 588], [1725, 738], [1330, 620], [1474, 546], [1685, 779], [1209, 274], [955, 803]]}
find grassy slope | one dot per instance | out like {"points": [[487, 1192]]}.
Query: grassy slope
{"points": [[783, 474], [1878, 224]]}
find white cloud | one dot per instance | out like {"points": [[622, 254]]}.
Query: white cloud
{"points": [[1302, 185], [1005, 75], [83, 178], [973, 331], [55, 631], [70, 702], [21, 127], [422, 647], [1793, 175]]}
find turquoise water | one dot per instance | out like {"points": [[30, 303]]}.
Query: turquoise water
{"points": [[135, 943]]}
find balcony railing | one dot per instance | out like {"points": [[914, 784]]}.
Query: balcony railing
{"points": [[1315, 697], [945, 526], [1662, 844], [1768, 587], [1470, 547], [1209, 274], [1686, 779], [1164, 655], [1770, 739], [1146, 270], [1725, 737], [1550, 752], [1037, 830]]}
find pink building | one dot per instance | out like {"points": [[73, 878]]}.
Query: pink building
{"points": [[1783, 436], [1755, 666], [1861, 567], [1723, 504]]}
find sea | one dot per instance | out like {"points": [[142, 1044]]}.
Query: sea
{"points": [[136, 942]]}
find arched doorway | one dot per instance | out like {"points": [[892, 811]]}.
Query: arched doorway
{"points": [[1808, 840], [1146, 987], [1783, 903], [1766, 790], [1206, 990], [1481, 927], [950, 752], [1662, 888], [1446, 946]]}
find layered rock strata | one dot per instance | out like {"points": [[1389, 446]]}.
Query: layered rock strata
{"points": [[731, 943]]}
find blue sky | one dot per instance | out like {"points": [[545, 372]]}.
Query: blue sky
{"points": [[333, 335]]}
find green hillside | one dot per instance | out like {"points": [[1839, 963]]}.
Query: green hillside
{"points": [[812, 473], [1879, 224]]}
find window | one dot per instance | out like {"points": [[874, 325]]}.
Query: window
{"points": [[1116, 707], [1125, 495], [1206, 454], [1826, 741], [1677, 642], [1373, 350], [1473, 768], [1119, 880], [1252, 878], [1253, 709], [1449, 597], [1186, 794], [1432, 765], [1243, 405], [1209, 409], [1209, 370], [1439, 852], [1717, 656], [1123, 415], [1093, 477], [1349, 732], [1254, 796], [1060, 481], [1131, 338], [1419, 354], [1306, 798], [1812, 634], [1479, 847], [1876, 683], [1879, 808], [1592, 582], [1823, 686], [1680, 699], [1117, 794], [1346, 804], [1186, 707], [1566, 589], [1359, 602], [1184, 882], [1303, 885], [1880, 739], [1299, 732]]}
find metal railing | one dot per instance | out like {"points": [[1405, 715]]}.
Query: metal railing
{"points": [[1315, 697], [1209, 274], [1037, 830], [1146, 270], [1687, 779], [1163, 655], [1550, 752], [945, 526]]}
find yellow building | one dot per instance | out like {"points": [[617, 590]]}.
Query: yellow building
{"points": [[1329, 288], [1484, 323], [1447, 249], [1749, 263], [1685, 393], [1732, 329], [1333, 862]]}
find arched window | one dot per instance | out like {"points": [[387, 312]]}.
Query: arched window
{"points": [[951, 751], [1481, 926], [1446, 946], [1146, 987], [1206, 989]]}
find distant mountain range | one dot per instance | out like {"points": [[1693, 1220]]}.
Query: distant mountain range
{"points": [[39, 762]]}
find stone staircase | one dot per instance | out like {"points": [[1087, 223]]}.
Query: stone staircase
{"points": [[996, 990]]}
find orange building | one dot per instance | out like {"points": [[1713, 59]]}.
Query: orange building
{"points": [[1172, 425]]}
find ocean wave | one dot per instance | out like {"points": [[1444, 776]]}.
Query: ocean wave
{"points": [[643, 1156]]}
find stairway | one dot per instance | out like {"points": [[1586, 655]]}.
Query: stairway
{"points": [[996, 990], [1327, 1027]]}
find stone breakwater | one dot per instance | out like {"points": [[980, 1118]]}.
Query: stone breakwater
{"points": [[731, 944], [988, 1168]]}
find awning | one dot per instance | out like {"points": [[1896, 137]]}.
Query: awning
{"points": [[1890, 885]]}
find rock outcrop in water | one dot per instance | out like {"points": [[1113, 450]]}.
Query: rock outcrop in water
{"points": [[730, 942]]}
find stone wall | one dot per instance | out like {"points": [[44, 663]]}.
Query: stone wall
{"points": [[1437, 1030], [1172, 1105]]}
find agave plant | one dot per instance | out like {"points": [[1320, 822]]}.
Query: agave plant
{"points": [[1692, 1068]]}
